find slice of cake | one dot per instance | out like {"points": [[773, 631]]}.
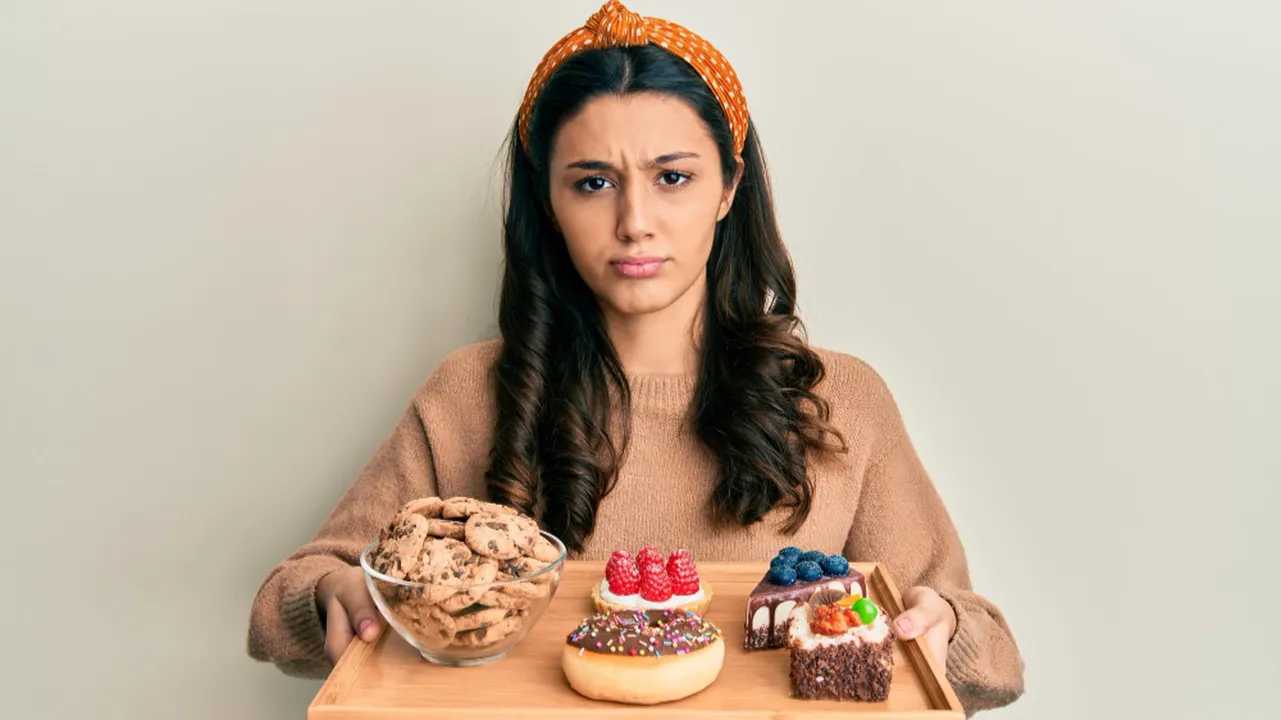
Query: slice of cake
{"points": [[842, 648], [792, 578]]}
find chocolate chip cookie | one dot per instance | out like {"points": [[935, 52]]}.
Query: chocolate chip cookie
{"points": [[490, 634], [399, 552], [525, 567], [461, 508], [501, 537], [494, 598], [479, 618], [446, 529], [428, 507], [544, 550]]}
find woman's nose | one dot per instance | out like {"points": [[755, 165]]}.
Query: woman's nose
{"points": [[634, 221]]}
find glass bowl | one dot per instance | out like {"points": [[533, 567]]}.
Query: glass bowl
{"points": [[462, 624]]}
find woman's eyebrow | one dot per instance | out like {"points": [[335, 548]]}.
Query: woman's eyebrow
{"points": [[602, 165]]}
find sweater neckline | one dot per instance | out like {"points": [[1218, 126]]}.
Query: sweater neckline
{"points": [[662, 390]]}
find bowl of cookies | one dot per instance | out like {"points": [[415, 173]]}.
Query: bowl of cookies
{"points": [[460, 579]]}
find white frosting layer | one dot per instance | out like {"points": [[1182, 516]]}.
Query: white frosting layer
{"points": [[636, 602], [781, 612], [760, 619], [801, 635]]}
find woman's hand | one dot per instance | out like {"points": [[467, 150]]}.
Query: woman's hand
{"points": [[927, 614], [348, 610]]}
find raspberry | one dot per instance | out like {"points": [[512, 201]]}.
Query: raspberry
{"points": [[655, 586], [621, 574], [683, 574], [647, 555]]}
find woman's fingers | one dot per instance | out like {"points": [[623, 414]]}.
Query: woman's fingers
{"points": [[337, 629], [922, 612], [927, 614], [936, 639], [363, 616], [349, 611], [925, 609]]}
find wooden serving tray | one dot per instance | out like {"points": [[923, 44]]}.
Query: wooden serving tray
{"points": [[388, 679]]}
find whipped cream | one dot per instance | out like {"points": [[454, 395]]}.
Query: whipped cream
{"points": [[801, 635], [636, 602]]}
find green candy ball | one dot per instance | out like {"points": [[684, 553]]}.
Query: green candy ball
{"points": [[867, 610]]}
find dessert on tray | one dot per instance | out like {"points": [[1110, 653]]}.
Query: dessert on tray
{"points": [[841, 648], [792, 578], [460, 579], [642, 656], [650, 582]]}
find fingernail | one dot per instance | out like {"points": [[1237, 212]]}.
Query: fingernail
{"points": [[367, 629], [904, 626]]}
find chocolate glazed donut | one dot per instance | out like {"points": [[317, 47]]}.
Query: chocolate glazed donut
{"points": [[643, 657]]}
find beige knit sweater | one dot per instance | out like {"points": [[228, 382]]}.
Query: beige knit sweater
{"points": [[874, 503]]}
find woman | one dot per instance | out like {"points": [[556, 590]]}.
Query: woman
{"points": [[650, 384]]}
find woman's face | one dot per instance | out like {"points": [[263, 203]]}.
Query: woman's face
{"points": [[636, 189]]}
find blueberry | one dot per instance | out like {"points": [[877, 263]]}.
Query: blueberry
{"points": [[783, 561], [782, 575], [814, 556], [835, 565], [808, 570], [792, 553]]}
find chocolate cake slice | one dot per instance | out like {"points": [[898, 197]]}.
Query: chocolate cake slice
{"points": [[774, 598], [836, 658]]}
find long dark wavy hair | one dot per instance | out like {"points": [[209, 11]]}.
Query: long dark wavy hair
{"points": [[558, 374]]}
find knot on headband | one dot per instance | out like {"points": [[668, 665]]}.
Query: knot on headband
{"points": [[613, 25]]}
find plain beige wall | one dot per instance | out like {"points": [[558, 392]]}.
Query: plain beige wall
{"points": [[234, 239]]}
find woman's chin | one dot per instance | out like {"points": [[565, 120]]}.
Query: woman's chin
{"points": [[634, 304]]}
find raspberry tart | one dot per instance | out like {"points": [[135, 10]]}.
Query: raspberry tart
{"points": [[648, 581]]}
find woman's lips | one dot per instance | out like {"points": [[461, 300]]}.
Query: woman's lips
{"points": [[637, 267]]}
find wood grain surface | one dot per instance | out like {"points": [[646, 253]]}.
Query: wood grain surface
{"points": [[388, 679]]}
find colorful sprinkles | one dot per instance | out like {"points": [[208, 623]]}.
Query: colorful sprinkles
{"points": [[639, 633]]}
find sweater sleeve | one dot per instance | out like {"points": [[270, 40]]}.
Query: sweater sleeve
{"points": [[901, 522], [285, 626]]}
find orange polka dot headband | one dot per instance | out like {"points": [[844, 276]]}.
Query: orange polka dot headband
{"points": [[613, 25]]}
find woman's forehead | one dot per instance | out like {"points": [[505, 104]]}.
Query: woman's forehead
{"points": [[633, 128]]}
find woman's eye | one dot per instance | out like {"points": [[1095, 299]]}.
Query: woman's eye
{"points": [[593, 184], [673, 178]]}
